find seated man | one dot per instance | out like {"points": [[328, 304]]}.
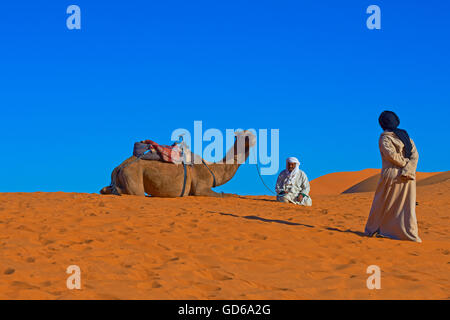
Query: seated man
{"points": [[293, 185]]}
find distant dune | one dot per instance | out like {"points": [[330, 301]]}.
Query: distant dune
{"points": [[370, 184], [438, 178], [338, 182], [364, 181], [133, 247]]}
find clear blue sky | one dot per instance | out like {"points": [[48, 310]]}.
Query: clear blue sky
{"points": [[74, 101]]}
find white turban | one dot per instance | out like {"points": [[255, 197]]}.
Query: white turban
{"points": [[293, 174], [292, 160]]}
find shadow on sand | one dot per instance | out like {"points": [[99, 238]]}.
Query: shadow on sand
{"points": [[358, 233], [263, 219], [256, 199]]}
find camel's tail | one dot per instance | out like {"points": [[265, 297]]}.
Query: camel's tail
{"points": [[113, 188]]}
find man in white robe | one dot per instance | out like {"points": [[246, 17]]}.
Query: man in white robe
{"points": [[293, 185]]}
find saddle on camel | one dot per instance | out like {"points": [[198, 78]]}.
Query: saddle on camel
{"points": [[150, 150], [175, 170]]}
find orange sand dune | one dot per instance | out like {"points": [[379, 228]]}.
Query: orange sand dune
{"points": [[210, 248], [437, 178], [338, 182], [370, 184]]}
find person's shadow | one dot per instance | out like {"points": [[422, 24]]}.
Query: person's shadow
{"points": [[358, 233], [263, 219]]}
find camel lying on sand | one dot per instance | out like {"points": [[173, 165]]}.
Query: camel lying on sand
{"points": [[163, 179]]}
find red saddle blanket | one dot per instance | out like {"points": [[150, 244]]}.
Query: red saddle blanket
{"points": [[168, 153]]}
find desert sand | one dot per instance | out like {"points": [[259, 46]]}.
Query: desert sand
{"points": [[132, 247]]}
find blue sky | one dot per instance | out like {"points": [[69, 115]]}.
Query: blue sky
{"points": [[74, 101]]}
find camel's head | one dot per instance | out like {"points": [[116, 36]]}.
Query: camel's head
{"points": [[250, 138]]}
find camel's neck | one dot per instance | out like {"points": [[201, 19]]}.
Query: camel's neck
{"points": [[226, 170]]}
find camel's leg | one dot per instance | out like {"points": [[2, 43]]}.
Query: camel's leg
{"points": [[131, 181], [208, 193], [230, 195]]}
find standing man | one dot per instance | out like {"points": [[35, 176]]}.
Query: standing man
{"points": [[393, 212]]}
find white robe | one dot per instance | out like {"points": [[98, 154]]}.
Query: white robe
{"points": [[289, 191]]}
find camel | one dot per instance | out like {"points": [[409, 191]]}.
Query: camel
{"points": [[163, 179]]}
